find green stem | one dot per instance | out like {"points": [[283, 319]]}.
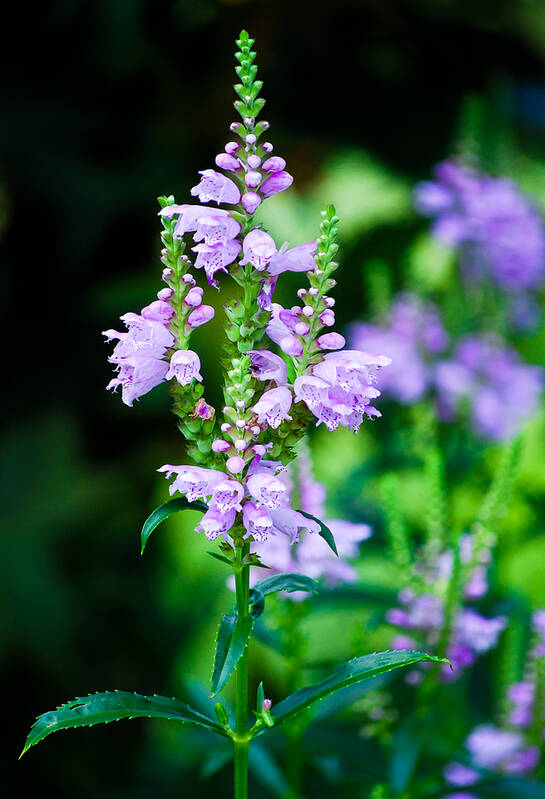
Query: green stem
{"points": [[241, 738]]}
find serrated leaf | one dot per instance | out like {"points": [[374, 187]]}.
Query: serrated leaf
{"points": [[233, 634], [287, 582], [353, 671], [113, 706], [324, 531], [164, 511]]}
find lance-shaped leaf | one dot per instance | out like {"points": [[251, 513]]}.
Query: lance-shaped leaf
{"points": [[164, 511], [114, 706], [232, 639], [324, 531], [287, 582], [353, 671]]}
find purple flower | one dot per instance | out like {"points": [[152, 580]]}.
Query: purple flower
{"points": [[227, 495], [502, 392], [193, 298], [200, 316], [268, 366], [497, 231], [195, 482], [339, 389], [460, 775], [274, 164], [331, 341], [491, 747], [216, 257], [258, 248], [278, 181], [216, 229], [296, 259], [266, 489], [215, 187], [411, 336], [251, 201], [273, 406], [189, 216], [257, 521], [158, 311], [216, 522], [137, 375], [184, 366]]}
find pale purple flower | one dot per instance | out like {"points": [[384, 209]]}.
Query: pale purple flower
{"points": [[460, 775], [184, 366], [227, 162], [521, 695], [266, 489], [296, 259], [331, 341], [189, 216], [227, 495], [235, 464], [503, 392], [216, 522], [411, 335], [268, 366], [258, 248], [195, 482], [256, 520], [498, 232], [278, 181], [219, 445], [214, 258], [215, 187], [137, 375], [216, 229], [200, 316], [490, 747], [273, 406]]}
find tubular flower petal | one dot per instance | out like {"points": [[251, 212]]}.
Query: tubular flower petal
{"points": [[215, 523], [273, 406], [195, 482], [278, 181], [266, 489], [268, 366], [184, 366], [215, 187]]}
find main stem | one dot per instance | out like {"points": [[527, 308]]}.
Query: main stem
{"points": [[240, 738]]}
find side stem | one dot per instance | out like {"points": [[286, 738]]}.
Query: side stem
{"points": [[241, 739]]}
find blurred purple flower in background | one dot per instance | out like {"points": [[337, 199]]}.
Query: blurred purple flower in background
{"points": [[496, 229], [411, 335], [501, 391]]}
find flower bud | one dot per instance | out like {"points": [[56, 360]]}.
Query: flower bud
{"points": [[308, 311], [240, 404], [255, 430], [301, 328], [254, 161], [252, 178], [291, 345], [194, 296], [200, 316], [251, 139], [267, 704], [189, 279], [327, 317], [274, 164], [267, 147], [251, 201], [241, 424], [226, 161], [240, 445], [331, 341], [231, 147], [278, 181], [167, 273], [301, 293], [219, 445], [165, 294], [329, 302], [225, 427], [235, 464]]}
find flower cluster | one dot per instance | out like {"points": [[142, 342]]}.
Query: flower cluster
{"points": [[425, 616], [269, 396], [502, 392], [515, 747], [311, 555], [412, 335], [498, 232], [482, 375]]}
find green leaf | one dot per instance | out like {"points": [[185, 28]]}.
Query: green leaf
{"points": [[287, 582], [114, 706], [353, 671], [164, 511], [232, 638], [324, 531], [221, 557]]}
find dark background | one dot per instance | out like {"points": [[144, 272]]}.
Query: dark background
{"points": [[104, 106]]}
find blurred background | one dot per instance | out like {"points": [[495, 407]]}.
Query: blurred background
{"points": [[108, 105]]}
